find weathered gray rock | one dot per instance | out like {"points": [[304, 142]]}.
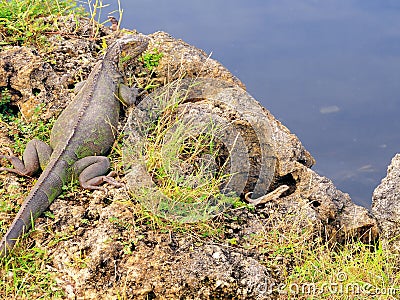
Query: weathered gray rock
{"points": [[28, 77], [181, 59], [340, 217], [386, 204], [122, 256], [265, 154]]}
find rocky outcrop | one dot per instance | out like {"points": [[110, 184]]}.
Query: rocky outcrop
{"points": [[181, 59], [27, 76], [106, 246], [146, 263], [386, 204], [264, 156]]}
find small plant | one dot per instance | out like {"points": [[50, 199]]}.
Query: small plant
{"points": [[354, 269], [151, 59], [95, 8], [147, 78], [6, 112], [25, 273], [312, 267]]}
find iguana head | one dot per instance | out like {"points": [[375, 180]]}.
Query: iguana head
{"points": [[135, 44]]}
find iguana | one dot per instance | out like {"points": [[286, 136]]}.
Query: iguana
{"points": [[82, 134]]}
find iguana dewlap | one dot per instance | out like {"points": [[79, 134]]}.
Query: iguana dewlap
{"points": [[83, 133]]}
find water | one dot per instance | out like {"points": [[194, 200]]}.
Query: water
{"points": [[328, 69]]}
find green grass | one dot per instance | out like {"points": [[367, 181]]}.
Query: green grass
{"points": [[339, 271], [22, 131], [26, 272], [182, 160], [312, 268], [26, 21], [7, 112], [27, 275], [25, 131]]}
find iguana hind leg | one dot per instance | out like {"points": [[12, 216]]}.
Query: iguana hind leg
{"points": [[36, 155], [91, 170]]}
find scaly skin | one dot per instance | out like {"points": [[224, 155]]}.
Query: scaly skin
{"points": [[83, 132]]}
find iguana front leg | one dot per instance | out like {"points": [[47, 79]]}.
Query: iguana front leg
{"points": [[36, 155]]}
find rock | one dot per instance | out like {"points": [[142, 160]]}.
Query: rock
{"points": [[340, 218], [264, 154], [386, 204], [105, 259], [180, 60], [4, 139], [28, 77]]}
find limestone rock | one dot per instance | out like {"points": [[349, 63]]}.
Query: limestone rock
{"points": [[28, 77], [264, 155], [147, 263], [341, 218], [181, 59], [386, 203]]}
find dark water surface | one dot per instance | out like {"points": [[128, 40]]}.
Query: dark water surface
{"points": [[328, 69]]}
